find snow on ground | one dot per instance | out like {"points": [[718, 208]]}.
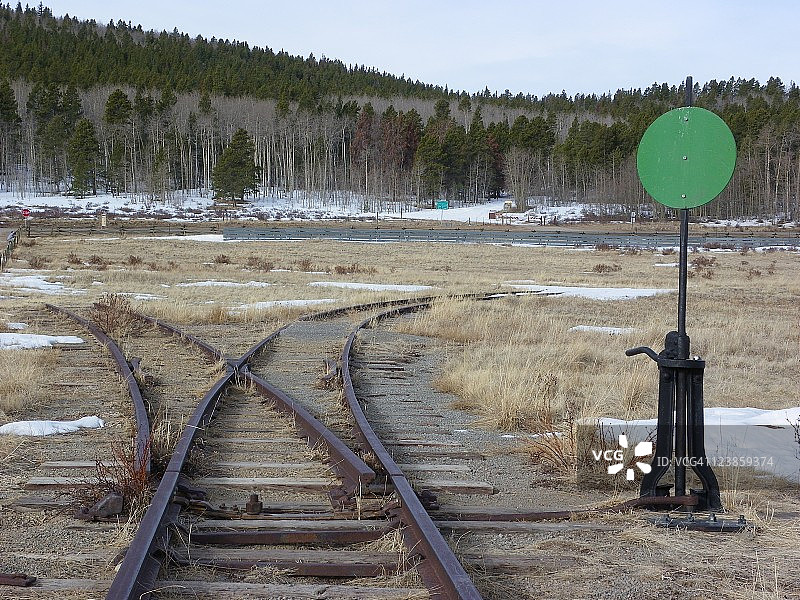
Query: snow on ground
{"points": [[197, 206], [142, 296], [374, 287], [666, 264], [41, 428], [735, 437], [601, 329], [16, 325], [279, 303], [480, 214], [473, 214], [746, 223], [201, 237], [215, 283], [20, 341], [22, 282], [592, 293]]}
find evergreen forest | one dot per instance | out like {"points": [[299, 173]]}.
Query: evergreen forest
{"points": [[88, 108]]}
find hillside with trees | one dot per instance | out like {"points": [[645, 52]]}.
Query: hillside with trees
{"points": [[88, 108]]}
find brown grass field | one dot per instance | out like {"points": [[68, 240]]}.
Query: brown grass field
{"points": [[742, 311], [513, 361]]}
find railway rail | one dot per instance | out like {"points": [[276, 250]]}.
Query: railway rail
{"points": [[146, 556]]}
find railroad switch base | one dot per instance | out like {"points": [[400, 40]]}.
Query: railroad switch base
{"points": [[710, 523]]}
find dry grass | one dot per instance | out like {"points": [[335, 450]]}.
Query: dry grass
{"points": [[514, 361], [22, 376], [743, 323], [517, 366]]}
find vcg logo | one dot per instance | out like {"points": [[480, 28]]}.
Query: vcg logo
{"points": [[617, 457]]}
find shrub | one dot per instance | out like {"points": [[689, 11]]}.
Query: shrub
{"points": [[134, 260], [222, 259], [604, 268], [121, 474], [113, 313], [98, 262], [262, 264], [353, 268], [305, 264], [701, 261], [74, 259], [37, 262]]}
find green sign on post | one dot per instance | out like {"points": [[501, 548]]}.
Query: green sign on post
{"points": [[441, 204], [686, 157]]}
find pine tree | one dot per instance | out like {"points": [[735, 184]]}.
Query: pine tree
{"points": [[117, 114], [82, 154], [9, 132], [118, 108], [236, 173], [8, 105]]}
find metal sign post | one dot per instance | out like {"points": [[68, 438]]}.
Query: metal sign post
{"points": [[685, 159]]}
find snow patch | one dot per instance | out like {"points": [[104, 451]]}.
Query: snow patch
{"points": [[27, 341], [599, 329], [591, 293], [142, 296], [215, 283], [16, 325], [35, 283], [375, 287], [283, 303], [42, 428], [202, 237]]}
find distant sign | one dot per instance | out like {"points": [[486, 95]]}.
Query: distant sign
{"points": [[26, 212], [442, 204]]}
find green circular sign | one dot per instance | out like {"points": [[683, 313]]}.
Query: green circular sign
{"points": [[686, 157]]}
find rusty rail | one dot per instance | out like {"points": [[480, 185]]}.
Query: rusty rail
{"points": [[139, 568], [343, 460], [141, 450], [209, 350], [442, 572]]}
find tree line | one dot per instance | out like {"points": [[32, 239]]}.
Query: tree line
{"points": [[320, 132]]}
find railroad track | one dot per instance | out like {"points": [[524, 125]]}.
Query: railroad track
{"points": [[280, 474], [242, 437]]}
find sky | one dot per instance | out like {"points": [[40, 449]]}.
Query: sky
{"points": [[531, 47]]}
